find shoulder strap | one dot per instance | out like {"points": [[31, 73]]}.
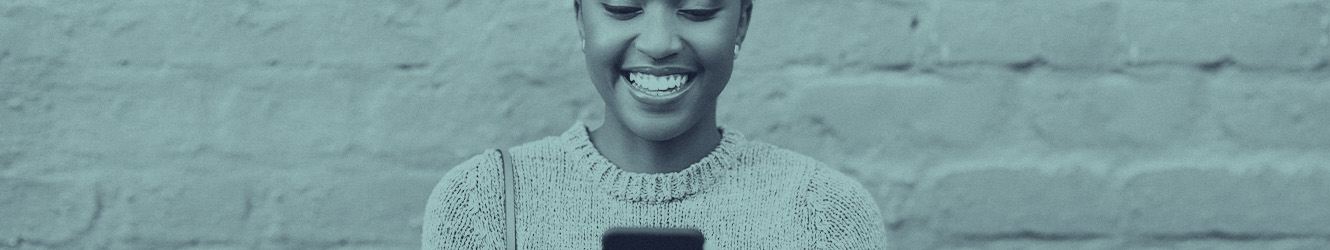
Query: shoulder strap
{"points": [[508, 200]]}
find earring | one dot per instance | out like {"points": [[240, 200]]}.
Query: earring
{"points": [[582, 43], [736, 51]]}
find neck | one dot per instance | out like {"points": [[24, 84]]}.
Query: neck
{"points": [[635, 154]]}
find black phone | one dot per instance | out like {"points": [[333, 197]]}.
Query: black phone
{"points": [[651, 238]]}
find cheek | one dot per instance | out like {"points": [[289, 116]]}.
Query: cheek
{"points": [[604, 44], [602, 57], [602, 74], [713, 44], [715, 52], [717, 55]]}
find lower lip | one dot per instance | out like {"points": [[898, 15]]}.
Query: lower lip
{"points": [[655, 100]]}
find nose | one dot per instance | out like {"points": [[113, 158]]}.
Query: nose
{"points": [[659, 39]]}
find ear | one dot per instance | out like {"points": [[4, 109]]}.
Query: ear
{"points": [[743, 23], [577, 9]]}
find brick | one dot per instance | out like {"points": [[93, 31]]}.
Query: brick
{"points": [[269, 82], [759, 104], [412, 245], [315, 208], [46, 211], [974, 31], [914, 110], [1274, 110], [1039, 245], [1280, 34], [996, 203], [151, 87], [1157, 29], [1064, 33], [233, 31], [123, 113], [34, 30], [169, 208], [245, 33], [319, 112], [1119, 110], [847, 33], [234, 246], [1277, 200], [1284, 35], [25, 136], [1285, 244]]}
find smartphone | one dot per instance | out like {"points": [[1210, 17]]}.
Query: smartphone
{"points": [[650, 238]]}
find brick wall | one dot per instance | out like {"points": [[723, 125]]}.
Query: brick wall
{"points": [[1015, 124]]}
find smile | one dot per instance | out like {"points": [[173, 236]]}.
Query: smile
{"points": [[658, 89], [658, 85]]}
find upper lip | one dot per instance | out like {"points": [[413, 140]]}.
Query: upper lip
{"points": [[660, 71]]}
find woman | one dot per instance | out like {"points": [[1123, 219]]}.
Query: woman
{"points": [[659, 159]]}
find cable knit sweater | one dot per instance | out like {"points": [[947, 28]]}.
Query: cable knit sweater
{"points": [[744, 195]]}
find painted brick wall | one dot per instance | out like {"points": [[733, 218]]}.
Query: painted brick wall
{"points": [[978, 124]]}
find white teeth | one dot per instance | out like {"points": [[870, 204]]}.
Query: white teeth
{"points": [[657, 83]]}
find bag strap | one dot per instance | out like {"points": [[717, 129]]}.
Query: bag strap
{"points": [[508, 200]]}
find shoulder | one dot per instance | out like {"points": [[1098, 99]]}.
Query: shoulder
{"points": [[844, 214], [829, 185], [469, 175], [551, 146], [485, 170], [488, 164], [572, 144], [476, 166], [766, 155], [458, 212], [813, 177], [816, 173], [810, 173]]}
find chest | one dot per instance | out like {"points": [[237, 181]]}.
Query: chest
{"points": [[574, 215]]}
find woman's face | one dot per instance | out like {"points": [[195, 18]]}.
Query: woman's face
{"points": [[660, 64]]}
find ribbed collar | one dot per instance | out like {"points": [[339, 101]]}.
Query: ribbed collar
{"points": [[657, 187]]}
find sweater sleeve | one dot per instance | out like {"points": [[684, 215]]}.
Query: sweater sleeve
{"points": [[844, 214], [464, 211]]}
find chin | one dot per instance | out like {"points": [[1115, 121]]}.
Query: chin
{"points": [[658, 128]]}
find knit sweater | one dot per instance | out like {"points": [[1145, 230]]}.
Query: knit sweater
{"points": [[743, 195]]}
